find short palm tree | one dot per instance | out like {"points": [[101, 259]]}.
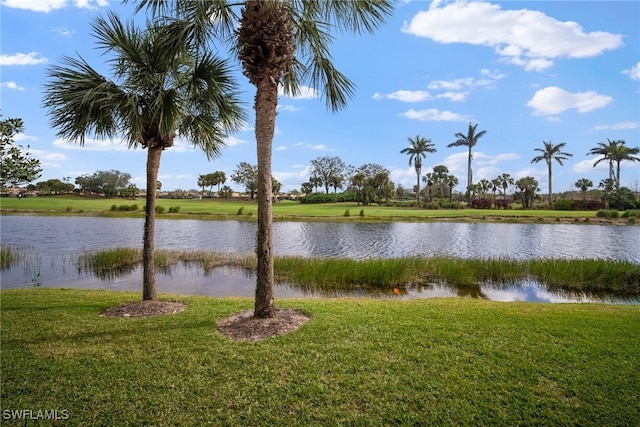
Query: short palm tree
{"points": [[584, 184], [160, 90], [469, 140], [551, 152], [417, 150], [451, 182], [280, 43], [505, 180]]}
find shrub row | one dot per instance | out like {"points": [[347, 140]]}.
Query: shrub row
{"points": [[316, 198], [577, 205], [133, 207]]}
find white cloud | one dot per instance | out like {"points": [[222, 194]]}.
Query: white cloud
{"points": [[586, 166], [434, 115], [32, 58], [232, 141], [554, 100], [454, 96], [526, 38], [49, 5], [321, 147], [24, 137], [289, 108], [292, 180], [405, 95], [92, 145], [11, 85], [617, 126], [63, 31], [281, 148], [633, 72], [304, 92]]}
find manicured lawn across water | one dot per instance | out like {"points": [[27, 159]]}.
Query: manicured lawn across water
{"points": [[356, 362], [285, 209]]}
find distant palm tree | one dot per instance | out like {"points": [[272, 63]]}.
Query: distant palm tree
{"points": [[451, 182], [505, 180], [281, 44], [551, 152], [469, 140], [417, 151], [161, 89], [584, 184], [606, 151], [621, 153]]}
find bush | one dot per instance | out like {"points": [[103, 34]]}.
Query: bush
{"points": [[69, 208], [159, 209], [174, 209], [114, 207], [631, 213], [563, 205], [587, 205], [481, 203], [608, 213], [316, 198], [240, 211], [133, 207], [502, 203], [347, 213], [361, 212]]}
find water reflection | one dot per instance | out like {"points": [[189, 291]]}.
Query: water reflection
{"points": [[55, 243]]}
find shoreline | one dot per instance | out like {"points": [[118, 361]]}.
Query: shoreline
{"points": [[479, 218]]}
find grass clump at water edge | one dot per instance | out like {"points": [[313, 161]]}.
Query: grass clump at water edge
{"points": [[617, 277]]}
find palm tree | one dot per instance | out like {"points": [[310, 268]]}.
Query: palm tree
{"points": [[505, 181], [551, 152], [620, 153], [584, 184], [417, 150], [451, 182], [606, 151], [468, 140], [279, 43], [160, 89]]}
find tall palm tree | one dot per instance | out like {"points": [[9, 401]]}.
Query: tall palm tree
{"points": [[469, 140], [606, 151], [279, 43], [417, 150], [551, 152], [621, 153], [160, 90]]}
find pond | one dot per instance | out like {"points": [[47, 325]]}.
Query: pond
{"points": [[56, 242]]}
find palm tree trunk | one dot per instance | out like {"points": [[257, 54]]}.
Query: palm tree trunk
{"points": [[265, 106], [618, 176], [418, 188], [550, 190], [148, 267], [469, 177]]}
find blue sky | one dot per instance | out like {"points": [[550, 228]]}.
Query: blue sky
{"points": [[526, 72]]}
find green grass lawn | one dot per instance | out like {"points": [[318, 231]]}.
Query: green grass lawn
{"points": [[356, 362], [286, 209]]}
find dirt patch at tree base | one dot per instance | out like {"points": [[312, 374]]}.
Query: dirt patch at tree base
{"points": [[245, 327], [144, 309]]}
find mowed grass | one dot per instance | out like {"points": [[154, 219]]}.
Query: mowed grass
{"points": [[356, 362], [212, 208]]}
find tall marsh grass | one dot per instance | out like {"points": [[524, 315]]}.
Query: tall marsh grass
{"points": [[617, 277], [8, 256]]}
